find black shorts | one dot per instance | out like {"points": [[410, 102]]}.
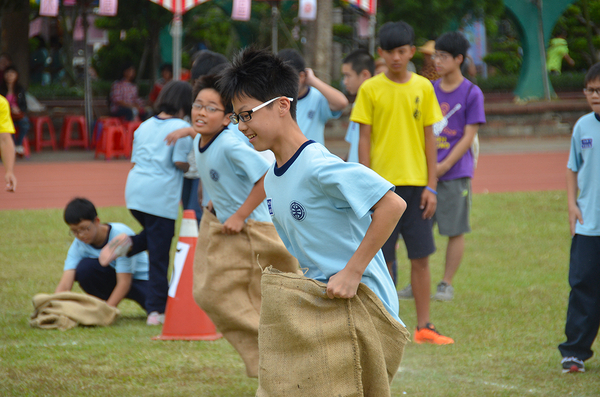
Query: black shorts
{"points": [[417, 232]]}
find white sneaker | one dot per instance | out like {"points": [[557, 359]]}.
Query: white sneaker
{"points": [[406, 293], [20, 150], [444, 292], [155, 318]]}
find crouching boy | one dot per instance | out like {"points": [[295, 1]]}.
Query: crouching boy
{"points": [[123, 278]]}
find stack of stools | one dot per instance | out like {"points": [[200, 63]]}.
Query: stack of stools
{"points": [[113, 140], [39, 142], [66, 136], [130, 127]]}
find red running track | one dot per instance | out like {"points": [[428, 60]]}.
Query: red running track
{"points": [[52, 185]]}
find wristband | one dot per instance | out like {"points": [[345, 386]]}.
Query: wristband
{"points": [[431, 190]]}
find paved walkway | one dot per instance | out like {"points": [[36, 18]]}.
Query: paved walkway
{"points": [[51, 179]]}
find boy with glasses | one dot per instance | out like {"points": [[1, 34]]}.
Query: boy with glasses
{"points": [[236, 229], [333, 216], [123, 278], [583, 195], [462, 105]]}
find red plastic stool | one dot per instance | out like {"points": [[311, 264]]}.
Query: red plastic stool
{"points": [[113, 142], [103, 122], [38, 130], [66, 138], [130, 127]]}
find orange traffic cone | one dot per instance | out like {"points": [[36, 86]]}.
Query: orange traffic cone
{"points": [[184, 320]]}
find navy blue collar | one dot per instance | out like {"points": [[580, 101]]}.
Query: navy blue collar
{"points": [[202, 149], [597, 116], [305, 95], [279, 171]]}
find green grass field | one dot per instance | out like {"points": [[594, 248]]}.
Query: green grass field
{"points": [[507, 318]]}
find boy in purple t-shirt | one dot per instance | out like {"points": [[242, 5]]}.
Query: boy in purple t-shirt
{"points": [[462, 105]]}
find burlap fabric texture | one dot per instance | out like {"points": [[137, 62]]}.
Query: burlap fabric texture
{"points": [[314, 346], [66, 310], [227, 279]]}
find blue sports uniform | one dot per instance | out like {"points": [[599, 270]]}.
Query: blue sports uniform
{"points": [[320, 207], [229, 169], [312, 112]]}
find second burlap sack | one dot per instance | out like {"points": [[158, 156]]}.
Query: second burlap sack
{"points": [[227, 279], [314, 346]]}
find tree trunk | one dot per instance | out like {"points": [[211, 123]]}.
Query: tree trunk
{"points": [[324, 37], [15, 37]]}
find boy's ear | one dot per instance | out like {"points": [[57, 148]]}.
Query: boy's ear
{"points": [[413, 49], [96, 221], [365, 74], [379, 51], [284, 106]]}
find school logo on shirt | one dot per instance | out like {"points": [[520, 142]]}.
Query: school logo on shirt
{"points": [[270, 206], [586, 143], [297, 211], [311, 114], [214, 175]]}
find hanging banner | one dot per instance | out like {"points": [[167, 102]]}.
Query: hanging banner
{"points": [[49, 8], [241, 10], [108, 8], [307, 10]]}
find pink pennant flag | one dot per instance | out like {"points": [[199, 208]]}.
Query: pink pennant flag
{"points": [[241, 10], [48, 8], [108, 8], [363, 26], [69, 2], [307, 10]]}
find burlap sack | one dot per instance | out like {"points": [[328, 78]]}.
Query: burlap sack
{"points": [[66, 310], [227, 279], [314, 346]]}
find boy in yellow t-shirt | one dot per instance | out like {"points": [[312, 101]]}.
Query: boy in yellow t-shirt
{"points": [[7, 146], [396, 111]]}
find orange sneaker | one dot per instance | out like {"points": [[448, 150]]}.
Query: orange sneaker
{"points": [[429, 334]]}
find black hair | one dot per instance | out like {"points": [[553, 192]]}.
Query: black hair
{"points": [[395, 34], [11, 67], [205, 61], [293, 58], [167, 67], [126, 66], [592, 74], [79, 209], [175, 96], [260, 75], [210, 81], [454, 43], [360, 60]]}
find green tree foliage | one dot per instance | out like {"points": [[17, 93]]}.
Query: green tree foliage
{"points": [[139, 20], [583, 34], [430, 18]]}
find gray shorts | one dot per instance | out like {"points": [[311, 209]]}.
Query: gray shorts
{"points": [[453, 207]]}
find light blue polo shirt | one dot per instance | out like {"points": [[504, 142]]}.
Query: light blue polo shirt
{"points": [[229, 169], [312, 112], [137, 265], [321, 207], [352, 137], [584, 159], [154, 184]]}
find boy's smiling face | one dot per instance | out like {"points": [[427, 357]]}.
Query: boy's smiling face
{"points": [[260, 129], [211, 118], [593, 98]]}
